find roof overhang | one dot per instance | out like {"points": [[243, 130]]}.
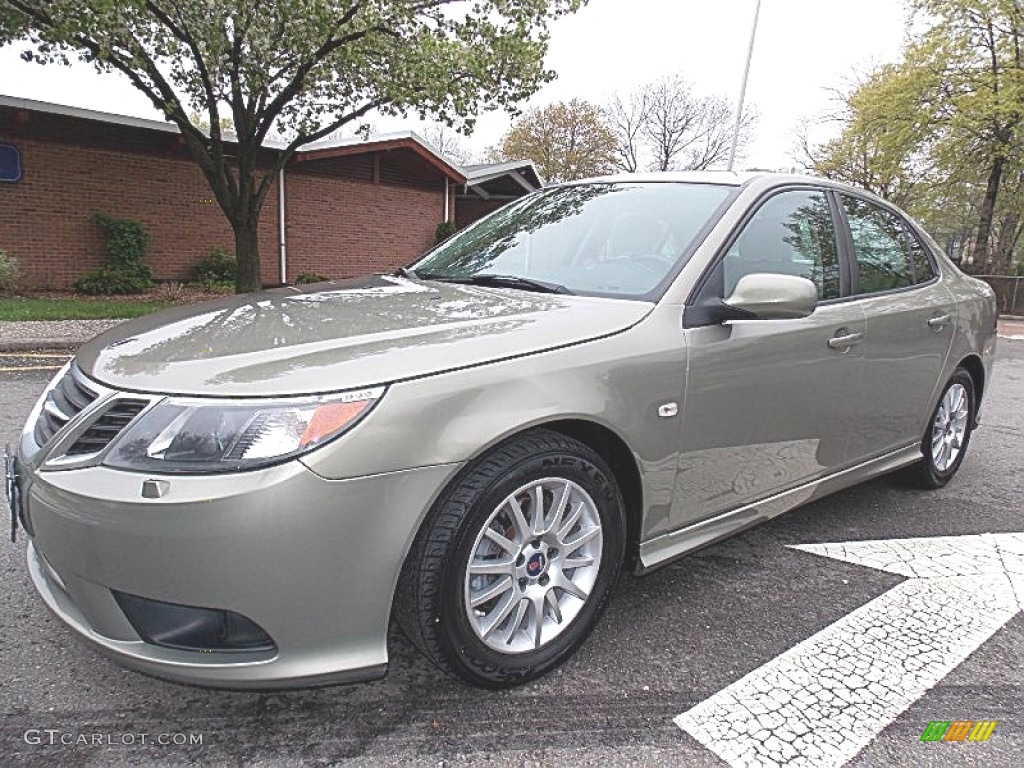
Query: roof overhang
{"points": [[409, 142], [502, 181], [524, 171]]}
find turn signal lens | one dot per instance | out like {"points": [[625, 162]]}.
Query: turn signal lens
{"points": [[330, 418]]}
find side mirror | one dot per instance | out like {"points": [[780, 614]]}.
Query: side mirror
{"points": [[774, 297]]}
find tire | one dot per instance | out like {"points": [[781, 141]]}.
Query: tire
{"points": [[941, 447], [484, 645]]}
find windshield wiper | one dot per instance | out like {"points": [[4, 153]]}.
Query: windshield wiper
{"points": [[514, 281], [406, 272], [502, 281]]}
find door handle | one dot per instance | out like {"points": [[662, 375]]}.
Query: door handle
{"points": [[938, 321], [845, 341]]}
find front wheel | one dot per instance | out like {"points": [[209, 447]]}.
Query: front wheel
{"points": [[948, 434], [511, 571]]}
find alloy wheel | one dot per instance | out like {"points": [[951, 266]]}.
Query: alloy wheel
{"points": [[950, 427], [533, 565]]}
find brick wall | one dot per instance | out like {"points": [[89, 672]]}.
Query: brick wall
{"points": [[339, 227], [472, 208], [46, 218], [339, 223]]}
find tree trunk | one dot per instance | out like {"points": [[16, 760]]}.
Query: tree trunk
{"points": [[247, 252], [980, 251], [1006, 242]]}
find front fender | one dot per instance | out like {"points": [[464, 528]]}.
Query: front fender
{"points": [[617, 382]]}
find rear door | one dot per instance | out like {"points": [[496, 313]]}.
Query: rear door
{"points": [[769, 403], [910, 319]]}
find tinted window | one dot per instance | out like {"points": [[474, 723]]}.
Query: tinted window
{"points": [[889, 256], [791, 234], [619, 239]]}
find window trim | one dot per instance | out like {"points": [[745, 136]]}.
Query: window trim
{"points": [[851, 253], [701, 310]]}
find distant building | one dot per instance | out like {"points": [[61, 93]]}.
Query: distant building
{"points": [[491, 185], [350, 206]]}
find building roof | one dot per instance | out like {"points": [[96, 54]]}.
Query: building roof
{"points": [[504, 180], [352, 145], [325, 148], [50, 108], [483, 172], [518, 175]]}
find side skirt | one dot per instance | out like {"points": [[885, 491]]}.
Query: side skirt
{"points": [[666, 548]]}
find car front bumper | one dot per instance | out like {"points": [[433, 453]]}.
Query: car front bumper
{"points": [[311, 561]]}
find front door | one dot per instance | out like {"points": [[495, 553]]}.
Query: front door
{"points": [[769, 403]]}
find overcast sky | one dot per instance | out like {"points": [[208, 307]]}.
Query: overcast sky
{"points": [[804, 47]]}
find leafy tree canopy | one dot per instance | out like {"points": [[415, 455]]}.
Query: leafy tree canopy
{"points": [[942, 132], [567, 140]]}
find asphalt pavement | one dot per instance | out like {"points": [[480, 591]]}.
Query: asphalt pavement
{"points": [[668, 642]]}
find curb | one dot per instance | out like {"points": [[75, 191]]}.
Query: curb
{"points": [[40, 344]]}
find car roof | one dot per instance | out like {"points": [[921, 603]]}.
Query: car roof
{"points": [[761, 179], [732, 178]]}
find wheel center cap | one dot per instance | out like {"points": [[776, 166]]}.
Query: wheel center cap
{"points": [[536, 564]]}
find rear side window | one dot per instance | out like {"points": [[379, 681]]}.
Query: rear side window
{"points": [[889, 256], [791, 234]]}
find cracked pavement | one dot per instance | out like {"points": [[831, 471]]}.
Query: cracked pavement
{"points": [[823, 701], [667, 643]]}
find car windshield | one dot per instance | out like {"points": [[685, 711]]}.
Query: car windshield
{"points": [[618, 239]]}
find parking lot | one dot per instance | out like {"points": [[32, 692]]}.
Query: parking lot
{"points": [[667, 643]]}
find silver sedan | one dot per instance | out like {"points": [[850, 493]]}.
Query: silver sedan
{"points": [[604, 375]]}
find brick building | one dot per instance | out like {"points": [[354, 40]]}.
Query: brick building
{"points": [[349, 207]]}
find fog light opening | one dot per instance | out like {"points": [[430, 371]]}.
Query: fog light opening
{"points": [[186, 628]]}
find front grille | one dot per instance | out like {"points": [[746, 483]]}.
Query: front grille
{"points": [[62, 403], [108, 426]]}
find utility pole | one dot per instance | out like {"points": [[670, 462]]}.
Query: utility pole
{"points": [[743, 88]]}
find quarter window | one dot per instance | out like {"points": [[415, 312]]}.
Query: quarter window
{"points": [[889, 256], [791, 234], [923, 269]]}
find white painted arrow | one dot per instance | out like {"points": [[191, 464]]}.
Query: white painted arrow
{"points": [[824, 700]]}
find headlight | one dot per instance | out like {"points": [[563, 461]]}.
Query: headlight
{"points": [[30, 423], [194, 436]]}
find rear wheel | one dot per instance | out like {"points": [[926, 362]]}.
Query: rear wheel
{"points": [[510, 573], [949, 431]]}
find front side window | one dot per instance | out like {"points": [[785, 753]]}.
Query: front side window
{"points": [[791, 234], [889, 256], [619, 239]]}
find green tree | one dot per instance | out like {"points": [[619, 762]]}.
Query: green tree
{"points": [[942, 132], [567, 141], [299, 68], [974, 51], [886, 134], [201, 122]]}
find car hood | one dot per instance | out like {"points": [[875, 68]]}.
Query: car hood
{"points": [[341, 335]]}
